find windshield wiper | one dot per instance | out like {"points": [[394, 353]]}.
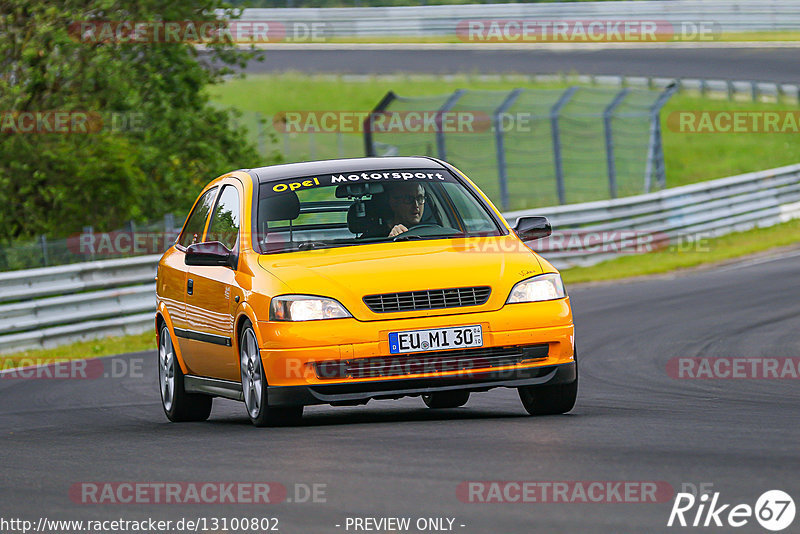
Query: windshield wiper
{"points": [[312, 244]]}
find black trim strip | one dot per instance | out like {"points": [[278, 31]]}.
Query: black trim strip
{"points": [[213, 386], [202, 336]]}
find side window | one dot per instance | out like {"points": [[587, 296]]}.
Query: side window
{"points": [[196, 222], [224, 225], [475, 217]]}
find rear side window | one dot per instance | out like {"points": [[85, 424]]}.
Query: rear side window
{"points": [[196, 222], [224, 225]]}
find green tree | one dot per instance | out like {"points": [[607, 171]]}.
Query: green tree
{"points": [[57, 183]]}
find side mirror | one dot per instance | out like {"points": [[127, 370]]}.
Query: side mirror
{"points": [[212, 253], [530, 228]]}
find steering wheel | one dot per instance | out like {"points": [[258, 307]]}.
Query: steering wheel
{"points": [[412, 230]]}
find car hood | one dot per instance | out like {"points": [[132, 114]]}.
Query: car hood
{"points": [[350, 273]]}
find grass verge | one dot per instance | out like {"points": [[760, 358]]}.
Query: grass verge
{"points": [[85, 349], [704, 252]]}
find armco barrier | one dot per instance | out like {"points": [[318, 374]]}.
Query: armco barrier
{"points": [[442, 20], [686, 213], [51, 306]]}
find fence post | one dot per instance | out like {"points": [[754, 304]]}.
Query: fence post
{"points": [[441, 151], [262, 147], [369, 146], [499, 138], [43, 242], [554, 112], [610, 162], [655, 151], [90, 230]]}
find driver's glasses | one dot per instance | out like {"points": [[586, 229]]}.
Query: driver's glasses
{"points": [[410, 199]]}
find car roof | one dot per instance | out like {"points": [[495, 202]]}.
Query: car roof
{"points": [[332, 166]]}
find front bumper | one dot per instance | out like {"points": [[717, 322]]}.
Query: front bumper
{"points": [[361, 392], [291, 351]]}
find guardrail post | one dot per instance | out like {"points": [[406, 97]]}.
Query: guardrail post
{"points": [[369, 146], [754, 90], [729, 87], [610, 162], [554, 112], [499, 138], [655, 151], [441, 151]]}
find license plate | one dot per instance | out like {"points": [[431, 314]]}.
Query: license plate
{"points": [[459, 337]]}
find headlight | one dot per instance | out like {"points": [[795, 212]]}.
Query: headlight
{"points": [[538, 288], [305, 308]]}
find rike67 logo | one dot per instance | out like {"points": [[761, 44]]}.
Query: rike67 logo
{"points": [[774, 510]]}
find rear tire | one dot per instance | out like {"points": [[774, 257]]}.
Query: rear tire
{"points": [[445, 399], [254, 386], [178, 405]]}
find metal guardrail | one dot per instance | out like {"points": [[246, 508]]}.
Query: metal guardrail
{"points": [[51, 306], [443, 20], [589, 233], [59, 305]]}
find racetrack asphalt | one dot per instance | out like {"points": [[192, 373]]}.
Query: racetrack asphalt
{"points": [[632, 422], [768, 64]]}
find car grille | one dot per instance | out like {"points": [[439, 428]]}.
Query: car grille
{"points": [[428, 299], [430, 362]]}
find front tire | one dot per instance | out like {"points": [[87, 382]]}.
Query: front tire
{"points": [[445, 399], [178, 405], [254, 386], [550, 400]]}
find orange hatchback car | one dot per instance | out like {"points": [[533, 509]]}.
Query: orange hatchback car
{"points": [[336, 282]]}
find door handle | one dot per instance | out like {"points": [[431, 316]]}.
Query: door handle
{"points": [[189, 286]]}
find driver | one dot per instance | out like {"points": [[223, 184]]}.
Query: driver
{"points": [[407, 204]]}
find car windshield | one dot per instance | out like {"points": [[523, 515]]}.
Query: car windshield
{"points": [[336, 210]]}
